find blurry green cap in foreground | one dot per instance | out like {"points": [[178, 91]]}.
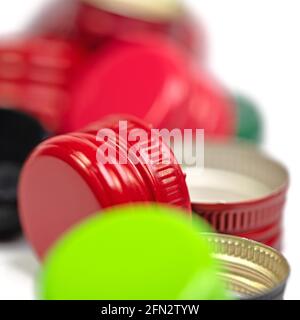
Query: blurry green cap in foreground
{"points": [[249, 120], [142, 252]]}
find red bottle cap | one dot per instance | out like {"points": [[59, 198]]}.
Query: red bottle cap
{"points": [[12, 60], [95, 26], [240, 190], [52, 61], [35, 75], [40, 60], [212, 108], [62, 182], [147, 77], [100, 20]]}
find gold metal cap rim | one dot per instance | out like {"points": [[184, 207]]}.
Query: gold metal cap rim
{"points": [[250, 269], [149, 10]]}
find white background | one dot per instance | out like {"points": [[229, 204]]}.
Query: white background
{"points": [[255, 49]]}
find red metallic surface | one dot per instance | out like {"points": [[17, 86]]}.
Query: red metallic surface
{"points": [[263, 233], [255, 215], [96, 25], [48, 104], [40, 60], [245, 216], [56, 20], [12, 61], [212, 109], [146, 77], [34, 77], [62, 183], [274, 242], [188, 32]]}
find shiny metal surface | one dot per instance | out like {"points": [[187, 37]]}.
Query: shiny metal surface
{"points": [[145, 9], [250, 269]]}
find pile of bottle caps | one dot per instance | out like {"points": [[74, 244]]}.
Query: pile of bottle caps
{"points": [[135, 229]]}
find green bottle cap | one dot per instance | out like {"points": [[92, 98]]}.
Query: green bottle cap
{"points": [[249, 120], [137, 252]]}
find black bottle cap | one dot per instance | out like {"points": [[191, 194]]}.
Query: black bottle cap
{"points": [[19, 134]]}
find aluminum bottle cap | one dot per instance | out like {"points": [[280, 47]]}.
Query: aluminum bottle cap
{"points": [[62, 181], [240, 189], [147, 77], [253, 271]]}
